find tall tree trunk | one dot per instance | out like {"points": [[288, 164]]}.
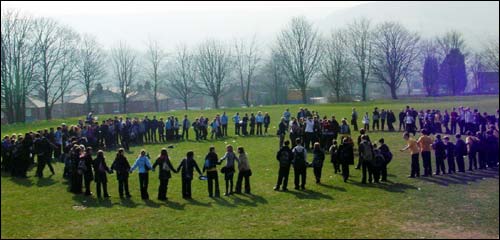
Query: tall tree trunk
{"points": [[89, 103], [216, 102], [363, 91], [48, 113], [185, 104], [393, 92], [304, 95]]}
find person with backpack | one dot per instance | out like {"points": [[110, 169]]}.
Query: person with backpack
{"points": [[366, 158], [100, 170], [346, 157], [377, 163], [122, 168], [440, 153], [472, 146], [386, 152], [210, 166], [85, 166], [144, 165], [300, 165], [229, 170], [317, 163], [362, 132], [285, 158], [334, 157], [412, 146], [164, 174], [425, 145], [187, 167], [460, 152], [450, 154], [244, 171]]}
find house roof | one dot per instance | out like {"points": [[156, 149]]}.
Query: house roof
{"points": [[105, 96], [145, 96], [32, 102]]}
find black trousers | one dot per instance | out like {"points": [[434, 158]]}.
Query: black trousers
{"points": [[143, 185], [87, 178], [123, 187], [345, 171], [237, 129], [383, 124], [460, 163], [185, 132], [440, 165], [259, 128], [317, 173], [354, 124], [453, 127], [146, 135], [161, 135], [415, 166], [366, 168], [162, 189], [224, 130], [309, 140], [186, 187], [283, 177], [426, 160], [300, 176], [451, 164], [104, 186], [152, 136], [246, 176], [472, 161], [383, 172], [376, 123], [213, 181], [42, 161]]}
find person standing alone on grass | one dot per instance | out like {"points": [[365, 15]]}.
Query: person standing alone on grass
{"points": [[244, 171], [144, 165], [300, 165], [285, 158], [412, 146]]}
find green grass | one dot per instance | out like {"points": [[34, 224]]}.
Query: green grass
{"points": [[462, 206]]}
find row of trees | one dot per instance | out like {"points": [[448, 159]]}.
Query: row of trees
{"points": [[41, 56]]}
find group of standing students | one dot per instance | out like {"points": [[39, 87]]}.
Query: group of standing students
{"points": [[85, 169]]}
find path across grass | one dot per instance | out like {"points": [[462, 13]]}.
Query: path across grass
{"points": [[458, 206]]}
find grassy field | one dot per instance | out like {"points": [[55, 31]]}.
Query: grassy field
{"points": [[459, 206]]}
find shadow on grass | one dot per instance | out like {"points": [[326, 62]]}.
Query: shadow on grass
{"points": [[332, 187], [198, 203], [388, 186], [89, 201], [309, 194], [45, 182], [462, 178], [27, 182], [174, 205]]}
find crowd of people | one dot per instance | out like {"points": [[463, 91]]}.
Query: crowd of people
{"points": [[307, 132]]}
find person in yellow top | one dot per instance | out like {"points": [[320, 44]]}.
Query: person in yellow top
{"points": [[425, 145], [414, 151]]}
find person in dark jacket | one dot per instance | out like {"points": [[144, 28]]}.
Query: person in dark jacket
{"points": [[284, 157], [267, 121], [76, 174], [154, 127], [440, 153], [187, 166], [43, 150], [492, 146], [88, 174], [300, 165], [460, 152], [450, 154], [282, 129], [346, 157], [100, 171], [122, 168], [386, 152], [210, 166], [164, 173]]}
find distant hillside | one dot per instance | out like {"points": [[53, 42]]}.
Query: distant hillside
{"points": [[476, 20]]}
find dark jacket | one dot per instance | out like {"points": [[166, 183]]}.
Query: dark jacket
{"points": [[100, 172], [88, 164], [346, 154], [211, 161], [450, 151], [187, 166], [285, 162], [165, 167], [439, 148], [318, 158], [121, 166], [460, 148]]}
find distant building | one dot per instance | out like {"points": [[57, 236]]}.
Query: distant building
{"points": [[295, 96], [487, 82], [144, 102]]}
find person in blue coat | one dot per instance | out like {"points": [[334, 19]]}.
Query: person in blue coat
{"points": [[144, 166], [223, 121]]}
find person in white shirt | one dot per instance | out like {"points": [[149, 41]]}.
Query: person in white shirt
{"points": [[409, 121], [366, 122], [309, 131]]}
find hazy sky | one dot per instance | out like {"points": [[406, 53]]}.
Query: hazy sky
{"points": [[173, 23]]}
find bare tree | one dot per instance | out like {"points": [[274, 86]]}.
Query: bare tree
{"points": [[476, 64], [18, 61], [274, 79], [490, 54], [246, 61], [124, 64], [214, 64], [183, 75], [450, 40], [299, 46], [155, 59], [360, 39], [90, 66], [335, 68], [55, 47], [396, 51]]}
